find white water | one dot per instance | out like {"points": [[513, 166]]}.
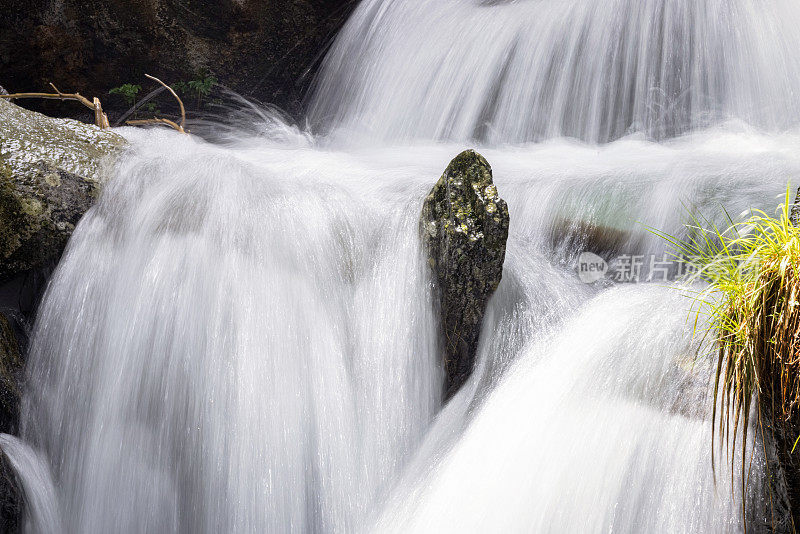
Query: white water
{"points": [[241, 337], [36, 485], [521, 70]]}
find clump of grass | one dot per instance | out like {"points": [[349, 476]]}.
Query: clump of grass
{"points": [[753, 273]]}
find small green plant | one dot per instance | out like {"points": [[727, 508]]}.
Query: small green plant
{"points": [[180, 87], [753, 274], [128, 91], [201, 87]]}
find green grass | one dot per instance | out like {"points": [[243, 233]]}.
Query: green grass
{"points": [[751, 301]]}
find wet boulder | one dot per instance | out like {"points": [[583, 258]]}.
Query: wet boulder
{"points": [[51, 171], [12, 501], [464, 227], [11, 369]]}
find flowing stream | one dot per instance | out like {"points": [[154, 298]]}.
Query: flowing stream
{"points": [[241, 335]]}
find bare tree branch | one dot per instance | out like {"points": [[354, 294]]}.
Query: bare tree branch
{"points": [[171, 124], [180, 102], [100, 118]]}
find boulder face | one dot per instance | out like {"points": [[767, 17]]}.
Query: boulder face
{"points": [[774, 508], [50, 174], [266, 49], [464, 228], [12, 500], [10, 377]]}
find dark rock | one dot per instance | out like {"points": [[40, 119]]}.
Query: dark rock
{"points": [[606, 241], [39, 209], [794, 213], [772, 508], [11, 368], [265, 49], [464, 229], [11, 498], [50, 174], [781, 495]]}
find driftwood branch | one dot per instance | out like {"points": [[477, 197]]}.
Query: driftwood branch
{"points": [[100, 118], [180, 103], [142, 122], [58, 95], [136, 107]]}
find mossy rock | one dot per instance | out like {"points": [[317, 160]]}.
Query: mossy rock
{"points": [[464, 228], [51, 172]]}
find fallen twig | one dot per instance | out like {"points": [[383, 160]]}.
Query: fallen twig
{"points": [[141, 122], [136, 107], [100, 118], [178, 127]]}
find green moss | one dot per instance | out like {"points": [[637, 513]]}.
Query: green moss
{"points": [[10, 210]]}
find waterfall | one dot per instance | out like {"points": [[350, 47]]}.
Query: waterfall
{"points": [[599, 428], [510, 71], [232, 345], [241, 336]]}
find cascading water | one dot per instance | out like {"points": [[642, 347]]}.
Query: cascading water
{"points": [[505, 71], [242, 338], [253, 347]]}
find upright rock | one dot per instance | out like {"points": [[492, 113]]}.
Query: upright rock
{"points": [[464, 228]]}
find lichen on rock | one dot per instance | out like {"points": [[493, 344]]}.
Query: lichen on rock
{"points": [[51, 171], [464, 228]]}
